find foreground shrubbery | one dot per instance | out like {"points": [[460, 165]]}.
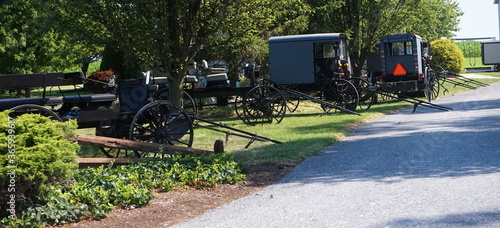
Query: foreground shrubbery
{"points": [[34, 156], [68, 194]]}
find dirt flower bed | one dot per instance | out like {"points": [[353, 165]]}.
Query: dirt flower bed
{"points": [[169, 208]]}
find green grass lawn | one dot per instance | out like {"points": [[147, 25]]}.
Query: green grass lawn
{"points": [[492, 74], [474, 62]]}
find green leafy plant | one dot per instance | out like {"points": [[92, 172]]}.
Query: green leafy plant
{"points": [[58, 210]]}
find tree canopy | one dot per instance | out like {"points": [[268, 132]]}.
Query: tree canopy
{"points": [[434, 19], [366, 21], [28, 42], [247, 43]]}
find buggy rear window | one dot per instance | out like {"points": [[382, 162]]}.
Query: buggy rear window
{"points": [[399, 48]]}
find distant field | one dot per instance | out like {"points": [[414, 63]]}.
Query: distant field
{"points": [[474, 62]]}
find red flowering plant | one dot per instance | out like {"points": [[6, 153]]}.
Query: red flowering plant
{"points": [[101, 81]]}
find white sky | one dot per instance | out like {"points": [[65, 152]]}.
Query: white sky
{"points": [[480, 19]]}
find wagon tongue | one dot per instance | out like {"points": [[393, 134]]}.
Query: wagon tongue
{"points": [[319, 101]]}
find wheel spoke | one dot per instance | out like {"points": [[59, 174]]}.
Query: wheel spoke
{"points": [[164, 123]]}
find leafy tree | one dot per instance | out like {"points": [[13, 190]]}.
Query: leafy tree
{"points": [[366, 21], [28, 42], [85, 38], [363, 21], [434, 19]]}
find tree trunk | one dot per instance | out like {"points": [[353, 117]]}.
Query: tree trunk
{"points": [[233, 75], [357, 69], [85, 67], [176, 84]]}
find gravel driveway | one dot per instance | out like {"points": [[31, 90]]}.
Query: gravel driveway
{"points": [[424, 169]]}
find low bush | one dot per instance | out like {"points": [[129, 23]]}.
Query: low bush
{"points": [[446, 54], [34, 155]]}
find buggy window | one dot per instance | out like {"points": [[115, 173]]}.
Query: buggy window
{"points": [[324, 50], [399, 48]]}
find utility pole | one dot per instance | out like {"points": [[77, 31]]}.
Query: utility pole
{"points": [[496, 2]]}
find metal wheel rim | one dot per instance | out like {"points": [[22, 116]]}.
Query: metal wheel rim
{"points": [[365, 92], [431, 84], [35, 109], [264, 104], [341, 93], [292, 101], [238, 108], [114, 130], [162, 122]]}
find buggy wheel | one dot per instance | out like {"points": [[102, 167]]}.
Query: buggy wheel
{"points": [[189, 104], [238, 108], [34, 109], [162, 122], [292, 100], [431, 82], [114, 129], [117, 152], [264, 104], [366, 92], [341, 93]]}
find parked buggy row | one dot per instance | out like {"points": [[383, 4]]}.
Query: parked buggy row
{"points": [[311, 67]]}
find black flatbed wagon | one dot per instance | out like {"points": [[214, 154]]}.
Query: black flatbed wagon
{"points": [[132, 114]]}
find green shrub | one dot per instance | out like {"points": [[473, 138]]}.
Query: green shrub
{"points": [[37, 157], [446, 54]]}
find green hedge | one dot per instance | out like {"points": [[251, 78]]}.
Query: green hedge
{"points": [[34, 155], [446, 54]]}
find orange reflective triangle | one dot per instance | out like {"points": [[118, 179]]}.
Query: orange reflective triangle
{"points": [[399, 70]]}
